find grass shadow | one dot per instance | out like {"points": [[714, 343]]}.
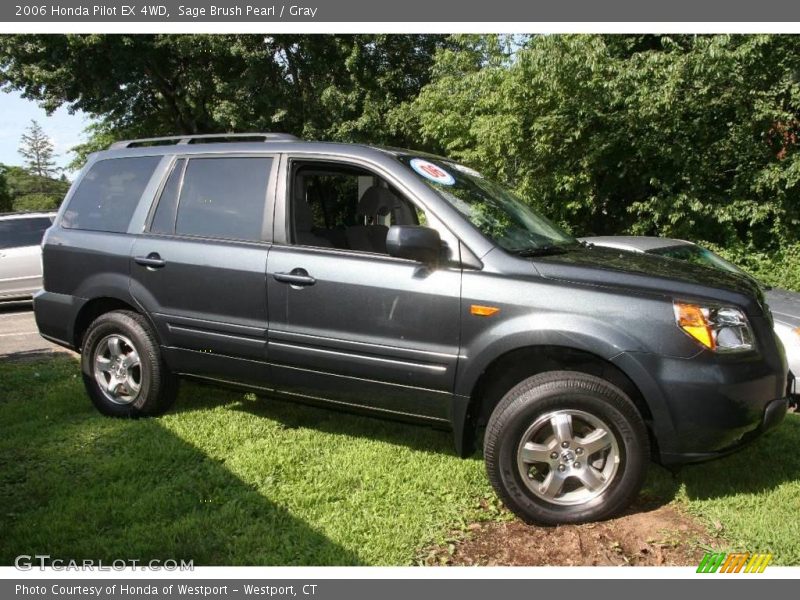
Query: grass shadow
{"points": [[700, 481], [416, 436], [77, 485], [769, 462], [226, 478], [758, 470]]}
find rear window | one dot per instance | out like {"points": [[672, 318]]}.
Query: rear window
{"points": [[16, 233], [108, 194]]}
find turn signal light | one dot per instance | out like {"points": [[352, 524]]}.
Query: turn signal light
{"points": [[691, 319], [483, 311]]}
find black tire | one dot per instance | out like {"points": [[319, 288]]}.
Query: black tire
{"points": [[157, 387], [574, 397]]}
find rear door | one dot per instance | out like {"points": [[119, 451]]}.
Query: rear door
{"points": [[199, 269], [350, 324], [20, 255]]}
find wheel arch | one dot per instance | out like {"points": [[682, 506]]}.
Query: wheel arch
{"points": [[472, 410], [97, 307]]}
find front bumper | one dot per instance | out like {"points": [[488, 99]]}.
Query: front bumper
{"points": [[774, 413], [709, 406]]}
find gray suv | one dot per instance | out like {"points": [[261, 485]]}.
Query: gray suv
{"points": [[406, 286]]}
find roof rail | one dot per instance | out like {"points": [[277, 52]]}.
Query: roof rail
{"points": [[22, 213], [213, 137]]}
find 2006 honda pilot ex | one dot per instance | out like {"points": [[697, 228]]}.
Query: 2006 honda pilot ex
{"points": [[409, 286]]}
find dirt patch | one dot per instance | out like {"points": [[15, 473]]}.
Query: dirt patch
{"points": [[661, 535]]}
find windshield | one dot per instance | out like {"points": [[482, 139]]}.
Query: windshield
{"points": [[697, 255], [495, 211]]}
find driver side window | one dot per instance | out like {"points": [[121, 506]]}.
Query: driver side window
{"points": [[345, 207]]}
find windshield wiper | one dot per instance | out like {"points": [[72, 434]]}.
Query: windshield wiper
{"points": [[545, 250]]}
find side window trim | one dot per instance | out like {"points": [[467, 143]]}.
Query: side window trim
{"points": [[138, 220], [184, 164], [269, 199], [173, 164], [282, 225]]}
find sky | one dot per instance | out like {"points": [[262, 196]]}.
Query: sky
{"points": [[65, 130]]}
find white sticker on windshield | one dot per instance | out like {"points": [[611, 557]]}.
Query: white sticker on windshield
{"points": [[430, 171]]}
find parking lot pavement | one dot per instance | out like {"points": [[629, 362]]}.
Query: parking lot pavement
{"points": [[19, 337]]}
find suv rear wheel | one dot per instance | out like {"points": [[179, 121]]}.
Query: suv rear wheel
{"points": [[122, 367], [566, 447]]}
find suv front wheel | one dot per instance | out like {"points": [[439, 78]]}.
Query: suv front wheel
{"points": [[122, 367], [566, 447]]}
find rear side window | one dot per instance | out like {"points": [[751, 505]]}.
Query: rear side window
{"points": [[16, 233], [108, 194], [224, 198]]}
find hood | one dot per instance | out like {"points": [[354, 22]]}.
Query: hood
{"points": [[609, 267]]}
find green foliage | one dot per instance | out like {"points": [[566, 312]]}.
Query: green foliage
{"points": [[27, 191], [100, 136], [684, 136], [687, 136], [779, 269], [37, 202], [5, 196], [338, 87]]}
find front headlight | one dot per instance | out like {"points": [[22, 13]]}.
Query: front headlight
{"points": [[718, 328]]}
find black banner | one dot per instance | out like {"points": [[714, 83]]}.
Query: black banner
{"points": [[418, 11], [717, 586]]}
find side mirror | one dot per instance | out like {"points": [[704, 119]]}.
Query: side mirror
{"points": [[414, 242]]}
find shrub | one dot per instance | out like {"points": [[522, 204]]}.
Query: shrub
{"points": [[37, 202]]}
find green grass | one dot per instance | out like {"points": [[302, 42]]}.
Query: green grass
{"points": [[230, 479], [752, 498], [223, 479]]}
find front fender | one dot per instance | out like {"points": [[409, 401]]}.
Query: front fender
{"points": [[583, 333]]}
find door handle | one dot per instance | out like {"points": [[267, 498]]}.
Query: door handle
{"points": [[297, 277], [152, 260]]}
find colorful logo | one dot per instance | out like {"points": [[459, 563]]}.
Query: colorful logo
{"points": [[430, 171], [737, 562]]}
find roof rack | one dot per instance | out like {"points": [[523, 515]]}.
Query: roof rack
{"points": [[193, 139]]}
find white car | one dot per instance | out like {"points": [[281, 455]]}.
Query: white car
{"points": [[21, 253], [785, 305]]}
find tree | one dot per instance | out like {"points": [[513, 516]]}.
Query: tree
{"points": [[339, 87], [37, 149], [27, 191], [5, 196], [687, 136]]}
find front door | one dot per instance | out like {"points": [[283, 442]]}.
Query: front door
{"points": [[348, 323]]}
